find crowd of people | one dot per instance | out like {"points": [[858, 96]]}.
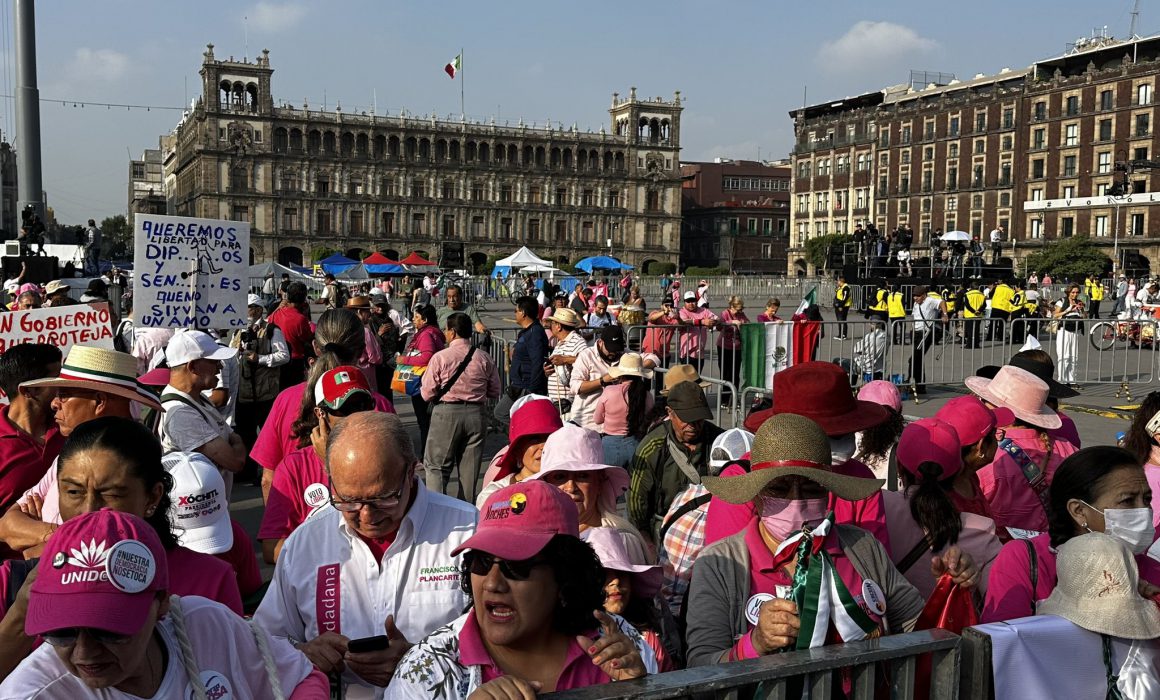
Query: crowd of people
{"points": [[619, 531]]}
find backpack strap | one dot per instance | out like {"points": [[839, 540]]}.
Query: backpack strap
{"points": [[1036, 477], [915, 553], [687, 507]]}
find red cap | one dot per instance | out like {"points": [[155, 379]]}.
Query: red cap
{"points": [[971, 418], [100, 570], [930, 440], [537, 418], [519, 520], [338, 385]]}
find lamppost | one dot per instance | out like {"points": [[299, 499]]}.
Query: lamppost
{"points": [[1116, 200]]}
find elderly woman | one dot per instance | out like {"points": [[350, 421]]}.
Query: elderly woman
{"points": [[532, 421], [121, 634], [422, 346], [746, 592], [1015, 483], [1098, 489], [923, 518], [535, 590], [573, 461]]}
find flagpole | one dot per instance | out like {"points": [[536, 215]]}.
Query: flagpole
{"points": [[462, 111]]}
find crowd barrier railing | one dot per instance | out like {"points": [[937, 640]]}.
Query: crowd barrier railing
{"points": [[818, 670], [722, 396]]}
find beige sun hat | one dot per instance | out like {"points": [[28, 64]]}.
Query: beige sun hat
{"points": [[682, 373], [565, 317], [100, 369], [631, 364], [1019, 390], [790, 445], [1096, 588]]}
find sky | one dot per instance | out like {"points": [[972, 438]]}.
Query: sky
{"points": [[740, 66]]}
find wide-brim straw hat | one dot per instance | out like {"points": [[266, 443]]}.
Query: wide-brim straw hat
{"points": [[682, 373], [99, 369], [631, 364], [1021, 392], [1096, 588], [565, 317], [790, 445]]}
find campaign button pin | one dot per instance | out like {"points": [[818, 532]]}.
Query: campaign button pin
{"points": [[873, 597], [753, 606]]}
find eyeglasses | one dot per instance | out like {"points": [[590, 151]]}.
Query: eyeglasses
{"points": [[68, 636], [384, 502], [480, 564]]}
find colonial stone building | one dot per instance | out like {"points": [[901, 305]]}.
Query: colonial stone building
{"points": [[456, 191], [1034, 151]]}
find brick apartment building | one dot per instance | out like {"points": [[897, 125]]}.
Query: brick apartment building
{"points": [[1033, 151], [735, 215]]}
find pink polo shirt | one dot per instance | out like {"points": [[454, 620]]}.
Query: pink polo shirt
{"points": [[300, 487], [275, 441], [612, 409], [578, 671], [23, 460], [693, 339], [1152, 472], [1009, 593], [1010, 498]]}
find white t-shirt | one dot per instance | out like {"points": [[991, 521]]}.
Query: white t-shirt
{"points": [[327, 579], [926, 314], [185, 428], [227, 657], [996, 235]]}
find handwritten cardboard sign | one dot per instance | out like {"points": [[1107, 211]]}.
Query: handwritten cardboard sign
{"points": [[62, 326], [189, 273]]}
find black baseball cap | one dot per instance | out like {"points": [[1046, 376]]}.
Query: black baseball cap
{"points": [[613, 338], [688, 401]]}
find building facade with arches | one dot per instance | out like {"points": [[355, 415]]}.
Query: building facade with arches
{"points": [[308, 179]]}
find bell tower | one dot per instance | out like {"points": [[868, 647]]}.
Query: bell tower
{"points": [[652, 125], [237, 87]]}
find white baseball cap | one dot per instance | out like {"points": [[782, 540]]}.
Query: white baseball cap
{"points": [[254, 300], [200, 511], [186, 346]]}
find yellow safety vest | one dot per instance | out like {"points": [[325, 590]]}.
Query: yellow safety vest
{"points": [[947, 295], [1095, 291], [1031, 306], [1017, 301], [976, 304], [897, 309], [842, 296], [1001, 298], [879, 301]]}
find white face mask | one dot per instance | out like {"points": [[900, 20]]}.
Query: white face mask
{"points": [[1132, 526]]}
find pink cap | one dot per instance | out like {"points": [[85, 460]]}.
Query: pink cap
{"points": [[518, 521], [930, 440], [536, 418], [971, 418], [100, 570], [882, 393], [608, 543]]}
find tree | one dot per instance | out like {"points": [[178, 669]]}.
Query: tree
{"points": [[1070, 258], [818, 249], [116, 238]]}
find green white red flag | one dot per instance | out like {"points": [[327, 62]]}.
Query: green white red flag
{"points": [[453, 67]]}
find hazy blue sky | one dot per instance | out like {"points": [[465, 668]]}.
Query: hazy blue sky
{"points": [[739, 65]]}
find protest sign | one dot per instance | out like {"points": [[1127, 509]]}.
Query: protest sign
{"points": [[189, 273], [62, 326]]}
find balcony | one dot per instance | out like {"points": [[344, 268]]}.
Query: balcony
{"points": [[825, 144]]}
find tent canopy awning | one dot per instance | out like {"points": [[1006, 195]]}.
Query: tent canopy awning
{"points": [[417, 260], [377, 258], [337, 264], [601, 262], [522, 258]]}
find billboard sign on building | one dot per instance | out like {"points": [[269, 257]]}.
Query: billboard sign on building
{"points": [[189, 273]]}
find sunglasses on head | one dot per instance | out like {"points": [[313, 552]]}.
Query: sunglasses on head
{"points": [[480, 564], [68, 637]]}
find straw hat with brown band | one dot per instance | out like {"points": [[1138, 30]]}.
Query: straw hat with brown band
{"points": [[100, 369]]}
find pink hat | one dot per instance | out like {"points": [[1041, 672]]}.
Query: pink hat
{"points": [[576, 449], [971, 418], [1019, 390], [518, 521], [929, 440], [99, 570], [882, 393], [608, 544], [533, 419]]}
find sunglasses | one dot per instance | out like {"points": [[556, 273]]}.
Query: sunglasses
{"points": [[480, 564], [68, 637]]}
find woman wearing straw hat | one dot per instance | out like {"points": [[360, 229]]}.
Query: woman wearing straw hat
{"points": [[1015, 483], [623, 408], [792, 579], [1098, 489]]}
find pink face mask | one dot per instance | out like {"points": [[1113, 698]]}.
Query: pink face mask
{"points": [[783, 517]]}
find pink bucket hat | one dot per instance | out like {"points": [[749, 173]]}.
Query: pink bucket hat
{"points": [[576, 449], [882, 393], [100, 570], [534, 419], [929, 440], [971, 418], [608, 544], [1018, 390], [518, 521]]}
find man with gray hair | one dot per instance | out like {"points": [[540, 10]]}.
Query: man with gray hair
{"points": [[376, 561]]}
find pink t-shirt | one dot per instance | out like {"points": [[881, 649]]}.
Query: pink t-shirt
{"points": [[242, 560], [275, 441], [299, 488], [50, 496], [1012, 501], [692, 341], [612, 409], [1009, 594], [578, 671], [1152, 472]]}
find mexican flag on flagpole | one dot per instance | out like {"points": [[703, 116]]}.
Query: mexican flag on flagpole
{"points": [[452, 68]]}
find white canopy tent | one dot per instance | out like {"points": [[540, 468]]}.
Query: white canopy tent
{"points": [[522, 258]]}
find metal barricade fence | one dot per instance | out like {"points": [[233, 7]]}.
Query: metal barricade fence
{"points": [[820, 672], [722, 396], [925, 352], [1103, 351]]}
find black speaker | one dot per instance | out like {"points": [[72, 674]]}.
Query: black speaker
{"points": [[40, 269]]}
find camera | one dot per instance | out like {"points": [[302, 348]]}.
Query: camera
{"points": [[249, 341]]}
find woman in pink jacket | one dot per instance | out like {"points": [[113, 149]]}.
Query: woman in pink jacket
{"points": [[426, 341]]}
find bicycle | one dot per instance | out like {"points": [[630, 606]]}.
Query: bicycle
{"points": [[1103, 335]]}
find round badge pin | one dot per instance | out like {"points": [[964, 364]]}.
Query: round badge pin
{"points": [[59, 560], [316, 495], [873, 597], [216, 685], [753, 606], [130, 566]]}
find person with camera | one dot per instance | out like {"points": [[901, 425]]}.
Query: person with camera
{"points": [[262, 350]]}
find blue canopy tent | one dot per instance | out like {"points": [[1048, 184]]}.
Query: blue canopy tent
{"points": [[601, 262], [337, 264]]}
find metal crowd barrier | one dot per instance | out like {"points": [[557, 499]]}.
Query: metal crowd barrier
{"points": [[715, 393], [817, 670]]}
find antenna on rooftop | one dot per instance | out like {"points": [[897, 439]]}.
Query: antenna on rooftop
{"points": [[1135, 20]]}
